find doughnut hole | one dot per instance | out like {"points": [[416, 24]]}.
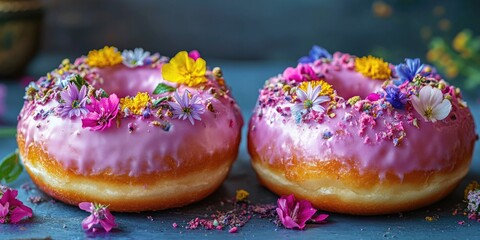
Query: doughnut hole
{"points": [[350, 83], [125, 81]]}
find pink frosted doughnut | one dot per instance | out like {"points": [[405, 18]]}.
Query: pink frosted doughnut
{"points": [[114, 141], [359, 135]]}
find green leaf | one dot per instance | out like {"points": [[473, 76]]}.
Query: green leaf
{"points": [[10, 167], [79, 81], [163, 88], [158, 101]]}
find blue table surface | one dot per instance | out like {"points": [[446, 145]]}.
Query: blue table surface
{"points": [[60, 221]]}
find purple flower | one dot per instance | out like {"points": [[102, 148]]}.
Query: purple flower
{"points": [[315, 53], [101, 113], [74, 101], [395, 97], [135, 58], [310, 100], [12, 210], [302, 72], [407, 71], [186, 107], [295, 214], [100, 217]]}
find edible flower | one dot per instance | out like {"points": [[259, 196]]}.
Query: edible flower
{"points": [[185, 70], [310, 99], [373, 97], [303, 72], [105, 57], [407, 71], [315, 53], [473, 205], [194, 54], [326, 89], [186, 107], [373, 67], [395, 97], [74, 101], [101, 113], [135, 105], [241, 195], [12, 210], [100, 217], [430, 104], [135, 58], [295, 214]]}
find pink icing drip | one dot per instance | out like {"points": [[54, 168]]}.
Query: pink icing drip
{"points": [[122, 152]]}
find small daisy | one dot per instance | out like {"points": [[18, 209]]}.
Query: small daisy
{"points": [[135, 58], [431, 105], [310, 100], [186, 107]]}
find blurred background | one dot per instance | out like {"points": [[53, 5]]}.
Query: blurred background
{"points": [[251, 39]]}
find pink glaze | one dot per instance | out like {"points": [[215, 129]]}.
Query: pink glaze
{"points": [[123, 152], [350, 134]]}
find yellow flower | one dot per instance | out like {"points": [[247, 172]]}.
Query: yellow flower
{"points": [[184, 70], [136, 104], [460, 41], [108, 56], [327, 89], [372, 67], [471, 187], [241, 195]]}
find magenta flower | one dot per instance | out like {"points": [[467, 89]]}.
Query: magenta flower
{"points": [[186, 107], [303, 72], [194, 54], [294, 214], [101, 113], [74, 101], [100, 217], [12, 210]]}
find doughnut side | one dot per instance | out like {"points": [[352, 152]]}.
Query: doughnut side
{"points": [[123, 193], [344, 193], [333, 186]]}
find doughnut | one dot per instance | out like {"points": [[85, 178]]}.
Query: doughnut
{"points": [[358, 135], [132, 130]]}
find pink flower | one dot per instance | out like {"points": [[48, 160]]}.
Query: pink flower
{"points": [[194, 54], [100, 217], [294, 214], [303, 72], [373, 97], [12, 210], [101, 113]]}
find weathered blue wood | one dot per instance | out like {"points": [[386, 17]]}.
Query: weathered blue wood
{"points": [[60, 221]]}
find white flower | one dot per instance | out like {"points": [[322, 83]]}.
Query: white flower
{"points": [[310, 100], [431, 104], [135, 58]]}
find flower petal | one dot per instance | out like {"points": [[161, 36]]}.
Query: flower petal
{"points": [[301, 94], [86, 206], [442, 110], [320, 218], [305, 212]]}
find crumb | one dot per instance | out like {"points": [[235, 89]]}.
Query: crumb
{"points": [[174, 225], [150, 218]]}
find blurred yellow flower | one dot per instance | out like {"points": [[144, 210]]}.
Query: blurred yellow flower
{"points": [[135, 104], [372, 67], [184, 70], [108, 56], [241, 195]]}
